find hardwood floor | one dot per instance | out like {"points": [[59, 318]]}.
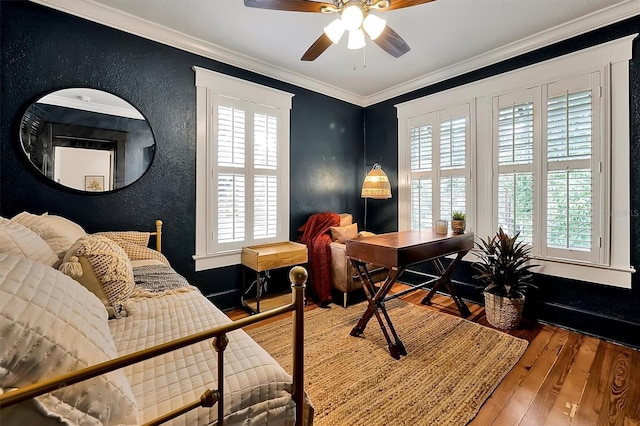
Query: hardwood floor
{"points": [[563, 378]]}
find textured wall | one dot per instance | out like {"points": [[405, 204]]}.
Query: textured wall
{"points": [[598, 309], [43, 49]]}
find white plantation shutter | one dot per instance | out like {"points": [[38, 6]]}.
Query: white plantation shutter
{"points": [[452, 196], [453, 162], [421, 204], [265, 204], [514, 139], [453, 138], [421, 142], [231, 136], [265, 140], [439, 165], [265, 163], [572, 164], [246, 174], [231, 207], [515, 204]]}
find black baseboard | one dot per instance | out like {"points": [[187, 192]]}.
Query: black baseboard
{"points": [[589, 322], [226, 300], [605, 327]]}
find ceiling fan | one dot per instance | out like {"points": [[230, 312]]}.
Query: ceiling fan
{"points": [[355, 17]]}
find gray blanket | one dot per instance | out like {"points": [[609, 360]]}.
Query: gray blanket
{"points": [[159, 279]]}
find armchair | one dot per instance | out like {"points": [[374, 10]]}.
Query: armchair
{"points": [[344, 277]]}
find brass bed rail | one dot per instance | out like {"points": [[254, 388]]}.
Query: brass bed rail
{"points": [[298, 278]]}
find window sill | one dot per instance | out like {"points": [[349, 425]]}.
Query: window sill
{"points": [[212, 261], [600, 274]]}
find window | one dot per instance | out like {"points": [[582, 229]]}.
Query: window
{"points": [[574, 173], [242, 167], [441, 139], [560, 222], [546, 155]]}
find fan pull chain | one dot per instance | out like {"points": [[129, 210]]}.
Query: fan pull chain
{"points": [[364, 59]]}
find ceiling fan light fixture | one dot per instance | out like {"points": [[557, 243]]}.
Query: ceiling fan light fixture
{"points": [[374, 26], [356, 39], [335, 30], [352, 17]]}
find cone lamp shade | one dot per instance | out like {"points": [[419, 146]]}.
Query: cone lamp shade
{"points": [[376, 184]]}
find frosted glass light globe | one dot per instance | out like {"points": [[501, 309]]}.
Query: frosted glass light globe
{"points": [[352, 17]]}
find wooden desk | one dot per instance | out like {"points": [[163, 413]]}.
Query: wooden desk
{"points": [[264, 257], [396, 251]]}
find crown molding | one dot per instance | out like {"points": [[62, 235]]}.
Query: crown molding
{"points": [[601, 18], [114, 18], [108, 16]]}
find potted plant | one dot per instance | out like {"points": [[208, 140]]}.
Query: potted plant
{"points": [[458, 222], [504, 270]]}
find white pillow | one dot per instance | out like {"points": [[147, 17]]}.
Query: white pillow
{"points": [[18, 240], [51, 325], [58, 232]]}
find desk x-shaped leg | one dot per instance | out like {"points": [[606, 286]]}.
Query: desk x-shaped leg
{"points": [[445, 278], [375, 299]]}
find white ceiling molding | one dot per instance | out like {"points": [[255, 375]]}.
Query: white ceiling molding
{"points": [[545, 38], [110, 17], [119, 20]]}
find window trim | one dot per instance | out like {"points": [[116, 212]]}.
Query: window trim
{"points": [[612, 60], [210, 84]]}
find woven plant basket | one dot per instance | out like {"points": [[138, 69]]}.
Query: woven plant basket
{"points": [[458, 226], [503, 312]]}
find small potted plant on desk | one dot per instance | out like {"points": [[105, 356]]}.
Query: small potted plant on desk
{"points": [[504, 270], [458, 222]]}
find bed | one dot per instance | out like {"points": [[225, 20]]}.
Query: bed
{"points": [[67, 308]]}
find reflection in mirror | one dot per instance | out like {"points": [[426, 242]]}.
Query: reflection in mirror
{"points": [[87, 139]]}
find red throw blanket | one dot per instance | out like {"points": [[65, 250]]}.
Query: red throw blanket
{"points": [[317, 236]]}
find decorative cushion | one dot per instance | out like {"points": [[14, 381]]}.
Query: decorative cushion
{"points": [[18, 240], [50, 325], [346, 219], [58, 232], [136, 237], [103, 267], [133, 246], [340, 234]]}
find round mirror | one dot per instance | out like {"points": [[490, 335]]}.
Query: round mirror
{"points": [[87, 139]]}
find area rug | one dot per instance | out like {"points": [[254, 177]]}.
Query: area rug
{"points": [[452, 367]]}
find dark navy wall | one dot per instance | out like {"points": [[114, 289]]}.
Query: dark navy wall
{"points": [[43, 49], [601, 310]]}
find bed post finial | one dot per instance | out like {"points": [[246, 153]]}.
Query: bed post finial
{"points": [[159, 236]]}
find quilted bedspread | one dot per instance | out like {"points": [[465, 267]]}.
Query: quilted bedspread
{"points": [[257, 389]]}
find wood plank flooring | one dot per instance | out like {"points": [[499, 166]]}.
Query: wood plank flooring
{"points": [[563, 378]]}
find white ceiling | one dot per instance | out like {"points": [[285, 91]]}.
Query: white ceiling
{"points": [[447, 37]]}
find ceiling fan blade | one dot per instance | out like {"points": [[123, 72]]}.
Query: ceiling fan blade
{"points": [[320, 45], [391, 42], [399, 4], [290, 5]]}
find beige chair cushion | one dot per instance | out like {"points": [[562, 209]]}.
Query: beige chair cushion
{"points": [[18, 240], [58, 232], [340, 234], [346, 219], [103, 267]]}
